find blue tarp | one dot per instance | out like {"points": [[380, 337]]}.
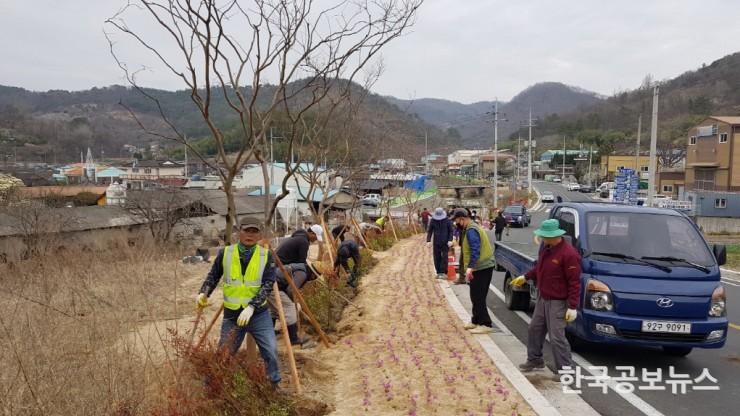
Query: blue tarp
{"points": [[418, 184]]}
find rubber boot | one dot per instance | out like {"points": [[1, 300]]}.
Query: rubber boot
{"points": [[293, 335]]}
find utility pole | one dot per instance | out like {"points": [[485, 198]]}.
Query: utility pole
{"points": [[564, 151], [529, 124], [653, 148], [495, 152], [637, 150], [590, 159], [518, 158], [426, 152]]}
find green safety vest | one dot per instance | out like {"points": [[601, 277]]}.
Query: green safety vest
{"points": [[240, 288], [485, 260]]}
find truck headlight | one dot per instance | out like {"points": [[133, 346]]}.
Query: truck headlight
{"points": [[599, 296], [717, 306], [519, 218]]}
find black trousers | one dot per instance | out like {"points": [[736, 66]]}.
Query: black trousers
{"points": [[440, 258], [498, 234], [478, 293]]}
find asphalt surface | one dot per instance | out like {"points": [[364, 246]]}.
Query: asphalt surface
{"points": [[723, 364]]}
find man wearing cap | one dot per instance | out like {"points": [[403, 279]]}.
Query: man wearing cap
{"points": [[477, 258], [558, 277], [293, 253], [248, 272], [440, 228]]}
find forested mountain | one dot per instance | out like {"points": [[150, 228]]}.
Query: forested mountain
{"points": [[58, 125], [474, 126]]}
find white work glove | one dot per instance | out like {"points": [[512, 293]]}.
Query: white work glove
{"points": [[245, 316], [518, 281], [469, 274], [570, 315], [429, 243], [449, 244], [201, 301]]}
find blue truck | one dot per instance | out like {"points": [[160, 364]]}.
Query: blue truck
{"points": [[648, 277]]}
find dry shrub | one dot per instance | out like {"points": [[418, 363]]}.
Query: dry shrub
{"points": [[215, 383]]}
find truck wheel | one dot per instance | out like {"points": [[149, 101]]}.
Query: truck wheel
{"points": [[515, 301], [677, 351]]}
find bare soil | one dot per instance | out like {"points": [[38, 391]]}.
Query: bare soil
{"points": [[405, 352]]}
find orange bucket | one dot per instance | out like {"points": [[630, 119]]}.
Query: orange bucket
{"points": [[451, 265]]}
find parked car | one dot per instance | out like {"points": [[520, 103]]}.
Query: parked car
{"points": [[547, 196], [557, 179], [648, 278], [586, 189], [517, 215], [604, 189], [573, 186], [372, 200]]}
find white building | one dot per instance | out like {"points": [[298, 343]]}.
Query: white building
{"points": [[252, 176], [462, 157]]}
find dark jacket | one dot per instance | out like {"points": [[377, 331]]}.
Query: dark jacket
{"points": [[245, 254], [500, 223], [294, 249], [442, 231], [558, 273], [348, 249]]}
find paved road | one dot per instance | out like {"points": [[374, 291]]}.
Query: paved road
{"points": [[723, 364]]}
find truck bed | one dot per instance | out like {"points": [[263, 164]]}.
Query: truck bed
{"points": [[516, 258]]}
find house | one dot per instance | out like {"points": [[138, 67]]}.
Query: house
{"points": [[487, 161], [713, 155], [152, 170], [671, 183], [610, 165], [252, 176], [464, 157], [713, 173], [73, 194]]}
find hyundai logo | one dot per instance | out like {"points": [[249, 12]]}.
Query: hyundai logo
{"points": [[664, 302]]}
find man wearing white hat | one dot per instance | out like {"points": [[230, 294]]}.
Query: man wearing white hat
{"points": [[440, 227]]}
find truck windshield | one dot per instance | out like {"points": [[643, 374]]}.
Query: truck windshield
{"points": [[651, 236]]}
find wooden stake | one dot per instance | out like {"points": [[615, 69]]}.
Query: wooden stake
{"points": [[210, 325], [299, 297], [286, 338], [329, 240], [359, 232], [390, 218]]}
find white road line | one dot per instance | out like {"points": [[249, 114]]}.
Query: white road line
{"points": [[631, 398], [729, 271], [731, 282], [533, 397]]}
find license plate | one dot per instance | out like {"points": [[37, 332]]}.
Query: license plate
{"points": [[666, 327]]}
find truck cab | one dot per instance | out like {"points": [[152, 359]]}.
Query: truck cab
{"points": [[648, 278]]}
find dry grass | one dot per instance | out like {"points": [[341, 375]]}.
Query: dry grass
{"points": [[72, 330]]}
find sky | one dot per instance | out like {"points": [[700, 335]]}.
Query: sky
{"points": [[461, 50]]}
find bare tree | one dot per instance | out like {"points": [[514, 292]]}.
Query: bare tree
{"points": [[161, 209], [226, 50]]}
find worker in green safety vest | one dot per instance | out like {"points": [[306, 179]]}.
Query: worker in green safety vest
{"points": [[248, 271], [477, 261]]}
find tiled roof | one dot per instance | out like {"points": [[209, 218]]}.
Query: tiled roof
{"points": [[727, 119]]}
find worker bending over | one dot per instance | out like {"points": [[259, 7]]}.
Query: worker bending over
{"points": [[348, 249]]}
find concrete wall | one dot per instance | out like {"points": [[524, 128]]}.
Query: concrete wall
{"points": [[718, 224]]}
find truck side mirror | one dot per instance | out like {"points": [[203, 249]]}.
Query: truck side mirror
{"points": [[720, 253]]}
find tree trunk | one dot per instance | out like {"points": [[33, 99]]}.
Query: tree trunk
{"points": [[231, 213], [268, 199]]}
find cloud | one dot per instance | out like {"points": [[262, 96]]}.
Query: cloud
{"points": [[465, 50]]}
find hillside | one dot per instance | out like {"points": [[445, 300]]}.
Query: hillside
{"points": [[57, 125], [472, 123], [684, 101]]}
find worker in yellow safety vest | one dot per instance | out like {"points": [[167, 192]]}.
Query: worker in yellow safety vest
{"points": [[248, 271]]}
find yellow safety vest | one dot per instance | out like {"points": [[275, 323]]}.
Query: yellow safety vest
{"points": [[240, 288], [486, 250]]}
